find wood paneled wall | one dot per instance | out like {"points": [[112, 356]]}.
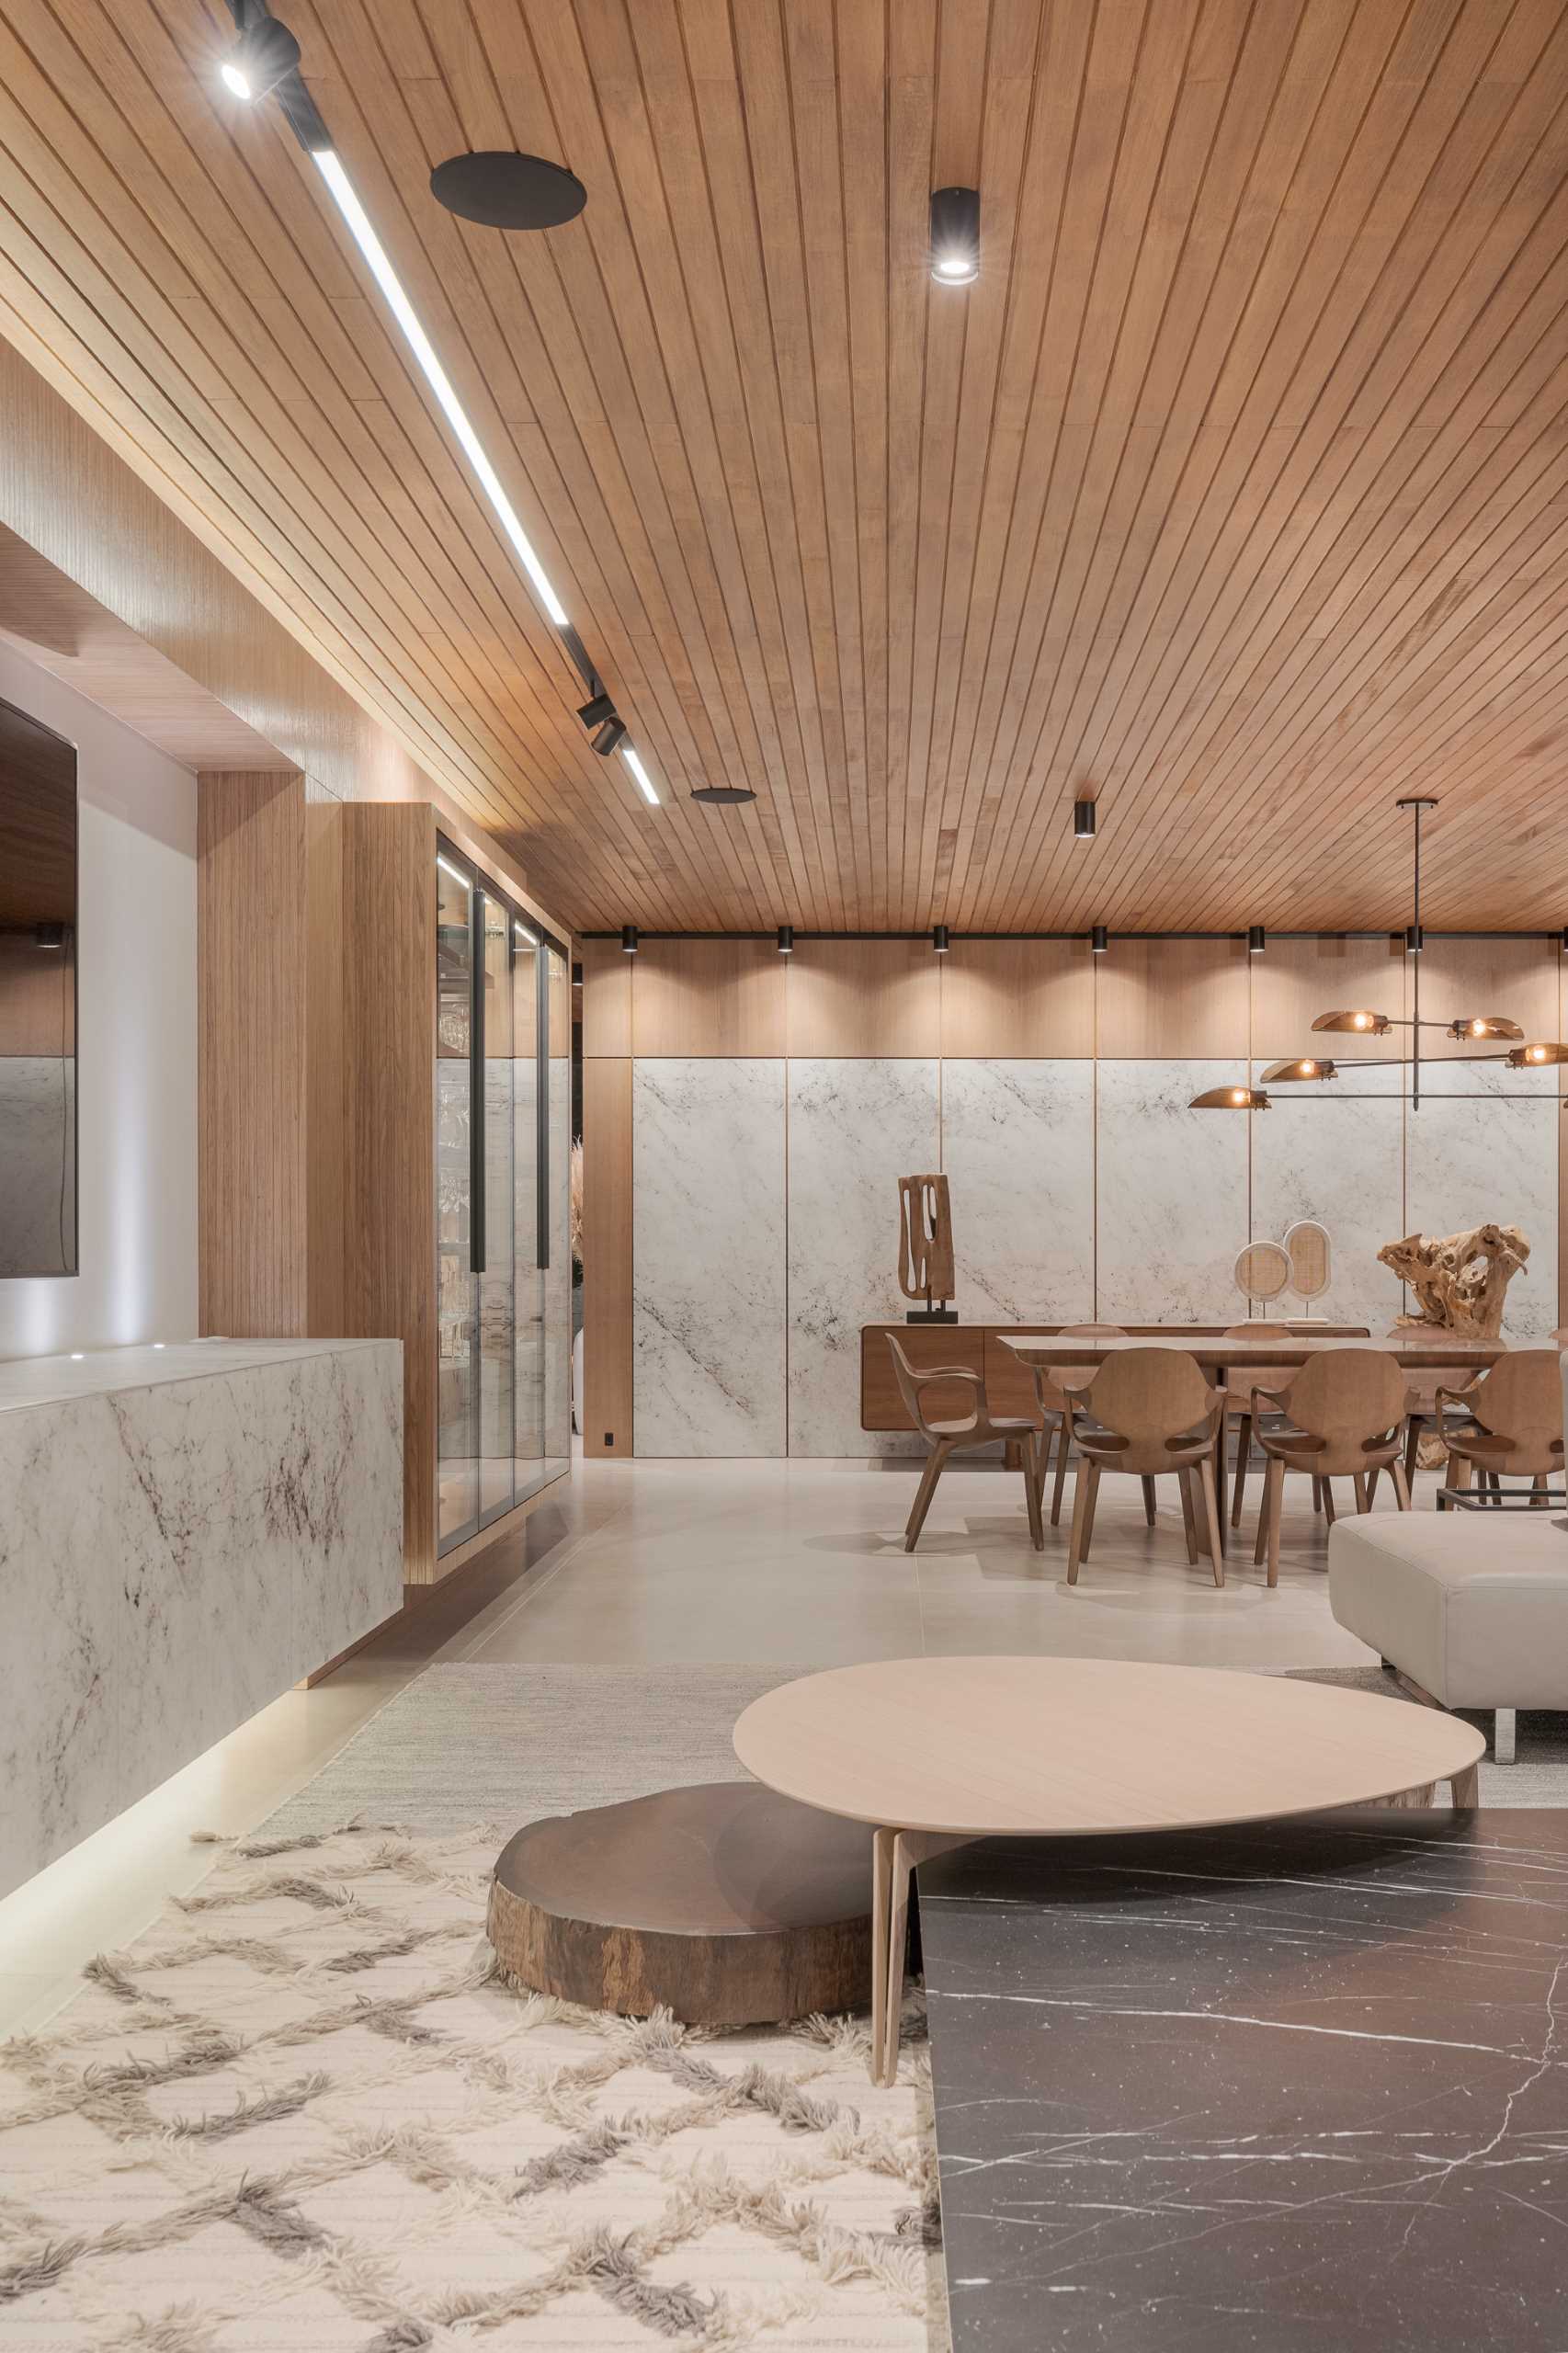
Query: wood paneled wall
{"points": [[988, 998]]}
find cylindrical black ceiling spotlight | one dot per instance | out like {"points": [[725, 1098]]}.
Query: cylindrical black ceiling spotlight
{"points": [[723, 796], [1099, 940], [955, 235], [1565, 940], [48, 935], [1257, 939], [501, 189], [606, 737], [786, 939], [939, 942], [628, 939], [1082, 821], [1414, 938], [595, 713], [264, 54]]}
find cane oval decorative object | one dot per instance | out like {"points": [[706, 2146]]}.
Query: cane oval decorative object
{"points": [[1263, 1269], [1311, 1258]]}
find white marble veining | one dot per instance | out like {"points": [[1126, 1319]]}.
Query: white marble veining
{"points": [[1019, 1150], [1334, 1151], [1171, 1185], [183, 1534], [854, 1128], [708, 1315], [1483, 1145], [37, 1165]]}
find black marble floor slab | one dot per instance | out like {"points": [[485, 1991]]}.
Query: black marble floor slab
{"points": [[1300, 2086]]}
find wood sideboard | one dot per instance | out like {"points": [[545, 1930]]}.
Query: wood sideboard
{"points": [[1009, 1385]]}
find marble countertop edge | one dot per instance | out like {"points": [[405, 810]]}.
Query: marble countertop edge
{"points": [[28, 1383]]}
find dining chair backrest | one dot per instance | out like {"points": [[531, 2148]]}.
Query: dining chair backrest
{"points": [[1047, 1385], [1522, 1400], [908, 1384], [1149, 1395], [1093, 1332], [1348, 1396]]}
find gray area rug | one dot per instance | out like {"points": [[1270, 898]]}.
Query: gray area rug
{"points": [[511, 1744], [1540, 1776]]}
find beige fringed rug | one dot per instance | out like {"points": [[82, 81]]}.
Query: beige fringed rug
{"points": [[303, 2115]]}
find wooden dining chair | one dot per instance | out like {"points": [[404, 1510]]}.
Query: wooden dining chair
{"points": [[1344, 1417], [1513, 1424], [1147, 1412], [1056, 1415], [1277, 1378], [978, 1428]]}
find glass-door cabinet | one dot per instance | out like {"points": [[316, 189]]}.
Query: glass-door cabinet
{"points": [[503, 1177]]}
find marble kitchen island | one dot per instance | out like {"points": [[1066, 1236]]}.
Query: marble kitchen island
{"points": [[185, 1532], [1301, 2087]]}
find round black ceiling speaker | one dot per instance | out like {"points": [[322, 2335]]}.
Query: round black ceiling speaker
{"points": [[723, 796], [504, 190]]}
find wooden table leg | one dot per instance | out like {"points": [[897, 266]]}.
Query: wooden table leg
{"points": [[882, 1844], [1220, 1379]]}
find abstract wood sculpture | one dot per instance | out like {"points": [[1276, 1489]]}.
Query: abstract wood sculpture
{"points": [[926, 1245], [1460, 1280]]}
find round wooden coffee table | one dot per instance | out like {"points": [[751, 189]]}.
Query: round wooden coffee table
{"points": [[935, 1752], [727, 1904]]}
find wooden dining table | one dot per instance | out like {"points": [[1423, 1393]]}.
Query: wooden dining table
{"points": [[1223, 1358]]}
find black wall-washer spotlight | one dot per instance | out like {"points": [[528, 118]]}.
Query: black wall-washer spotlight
{"points": [[628, 939], [1082, 821], [1414, 938], [1257, 940], [786, 939], [595, 713], [609, 737], [939, 942], [264, 55], [1099, 940]]}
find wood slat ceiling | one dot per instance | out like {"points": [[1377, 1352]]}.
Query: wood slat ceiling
{"points": [[1235, 493]]}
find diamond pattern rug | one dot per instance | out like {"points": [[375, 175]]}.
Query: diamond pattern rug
{"points": [[304, 2114]]}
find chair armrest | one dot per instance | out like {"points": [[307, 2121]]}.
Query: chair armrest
{"points": [[949, 1372], [1463, 1398], [1276, 1401]]}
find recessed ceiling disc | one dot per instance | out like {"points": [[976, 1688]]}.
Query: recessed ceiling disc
{"points": [[723, 796], [504, 190]]}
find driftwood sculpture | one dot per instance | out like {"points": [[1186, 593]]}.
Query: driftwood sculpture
{"points": [[1460, 1280], [926, 1245]]}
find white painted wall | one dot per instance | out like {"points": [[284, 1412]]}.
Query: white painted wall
{"points": [[136, 1018]]}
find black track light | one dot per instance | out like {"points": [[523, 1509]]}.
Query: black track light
{"points": [[265, 54], [606, 737], [1257, 939], [1414, 938], [48, 935], [1099, 940], [786, 939], [595, 713], [628, 939], [939, 942], [1082, 821], [955, 235]]}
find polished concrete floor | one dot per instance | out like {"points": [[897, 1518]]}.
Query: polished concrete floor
{"points": [[642, 1563]]}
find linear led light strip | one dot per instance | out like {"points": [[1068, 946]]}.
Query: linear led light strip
{"points": [[457, 416]]}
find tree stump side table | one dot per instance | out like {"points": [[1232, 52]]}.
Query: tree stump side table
{"points": [[725, 1904]]}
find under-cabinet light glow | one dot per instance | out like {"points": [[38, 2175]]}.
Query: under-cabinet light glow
{"points": [[455, 871], [435, 376]]}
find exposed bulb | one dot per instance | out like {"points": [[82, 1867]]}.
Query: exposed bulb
{"points": [[237, 79]]}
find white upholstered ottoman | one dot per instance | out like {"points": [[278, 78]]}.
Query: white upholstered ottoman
{"points": [[1471, 1608]]}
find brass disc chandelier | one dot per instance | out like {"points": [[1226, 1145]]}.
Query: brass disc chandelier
{"points": [[1471, 1029]]}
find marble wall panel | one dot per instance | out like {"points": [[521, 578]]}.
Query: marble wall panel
{"points": [[854, 1128], [707, 1309], [1019, 1150], [174, 1555], [1484, 1145], [1171, 1190], [1335, 1152]]}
